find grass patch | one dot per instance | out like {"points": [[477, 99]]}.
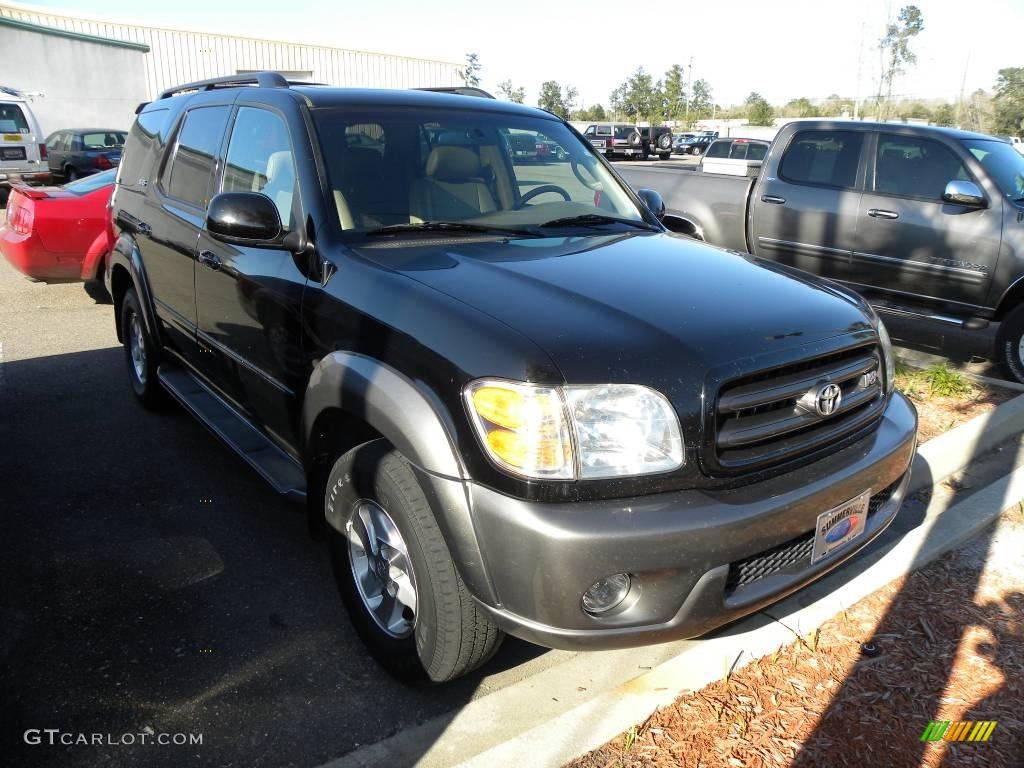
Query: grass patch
{"points": [[938, 380]]}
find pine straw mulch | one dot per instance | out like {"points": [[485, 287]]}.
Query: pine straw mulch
{"points": [[952, 648], [937, 414]]}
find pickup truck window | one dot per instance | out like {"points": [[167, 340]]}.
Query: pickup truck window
{"points": [[823, 158], [913, 167], [190, 171], [1004, 164]]}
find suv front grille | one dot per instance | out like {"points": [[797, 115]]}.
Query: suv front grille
{"points": [[769, 417], [791, 556]]}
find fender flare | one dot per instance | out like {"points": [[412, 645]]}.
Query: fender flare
{"points": [[412, 419], [125, 254], [1013, 293], [406, 415]]}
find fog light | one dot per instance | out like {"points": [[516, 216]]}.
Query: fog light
{"points": [[606, 593]]}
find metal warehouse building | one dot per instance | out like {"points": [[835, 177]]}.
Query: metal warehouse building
{"points": [[88, 57]]}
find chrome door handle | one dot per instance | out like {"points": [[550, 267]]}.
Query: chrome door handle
{"points": [[144, 229], [773, 199], [881, 213], [210, 259]]}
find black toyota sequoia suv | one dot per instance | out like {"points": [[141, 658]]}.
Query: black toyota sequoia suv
{"points": [[511, 400]]}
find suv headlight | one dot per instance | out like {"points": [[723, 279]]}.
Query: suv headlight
{"points": [[570, 433], [890, 362]]}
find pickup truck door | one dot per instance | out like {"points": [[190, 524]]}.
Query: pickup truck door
{"points": [[804, 209], [909, 240]]}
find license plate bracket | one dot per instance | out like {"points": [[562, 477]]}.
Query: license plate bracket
{"points": [[839, 526]]}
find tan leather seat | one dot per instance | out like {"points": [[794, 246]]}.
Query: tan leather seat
{"points": [[452, 188]]}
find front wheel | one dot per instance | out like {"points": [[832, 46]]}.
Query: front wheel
{"points": [[70, 174], [395, 573], [1010, 344]]}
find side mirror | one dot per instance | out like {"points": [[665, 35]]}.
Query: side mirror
{"points": [[964, 193], [653, 201], [245, 218]]}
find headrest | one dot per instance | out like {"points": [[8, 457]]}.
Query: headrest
{"points": [[453, 163], [279, 166]]}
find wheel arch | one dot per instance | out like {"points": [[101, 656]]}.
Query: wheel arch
{"points": [[1012, 297], [127, 271]]}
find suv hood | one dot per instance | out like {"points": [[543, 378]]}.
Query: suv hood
{"points": [[631, 307]]}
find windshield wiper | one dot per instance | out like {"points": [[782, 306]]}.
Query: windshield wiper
{"points": [[596, 220], [449, 226]]}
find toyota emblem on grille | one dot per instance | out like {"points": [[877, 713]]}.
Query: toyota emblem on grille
{"points": [[826, 402]]}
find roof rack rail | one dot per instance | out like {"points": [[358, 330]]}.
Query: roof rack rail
{"points": [[461, 90], [260, 79]]}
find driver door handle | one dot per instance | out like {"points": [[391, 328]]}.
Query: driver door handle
{"points": [[210, 259], [773, 199], [881, 213]]}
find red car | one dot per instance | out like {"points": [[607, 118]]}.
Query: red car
{"points": [[59, 233]]}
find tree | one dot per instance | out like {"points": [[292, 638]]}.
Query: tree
{"points": [[978, 113], [674, 93], [639, 98], [894, 51], [1009, 102], [944, 114], [471, 73], [759, 111], [556, 100], [509, 92], [701, 104], [595, 114], [801, 107]]}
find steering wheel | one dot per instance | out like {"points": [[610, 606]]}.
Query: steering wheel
{"points": [[541, 190], [593, 184]]}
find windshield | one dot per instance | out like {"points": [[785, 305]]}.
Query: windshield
{"points": [[1004, 164], [412, 166], [91, 183]]}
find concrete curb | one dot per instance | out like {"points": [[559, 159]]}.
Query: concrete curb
{"points": [[550, 718]]}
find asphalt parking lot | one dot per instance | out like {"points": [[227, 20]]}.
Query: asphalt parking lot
{"points": [[154, 584], [152, 581]]}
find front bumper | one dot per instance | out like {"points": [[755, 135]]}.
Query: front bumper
{"points": [[683, 549]]}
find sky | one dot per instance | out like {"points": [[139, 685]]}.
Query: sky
{"points": [[784, 49]]}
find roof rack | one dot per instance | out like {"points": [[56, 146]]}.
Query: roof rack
{"points": [[461, 90], [260, 79]]}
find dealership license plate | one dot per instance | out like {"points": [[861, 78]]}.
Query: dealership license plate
{"points": [[838, 527], [12, 153]]}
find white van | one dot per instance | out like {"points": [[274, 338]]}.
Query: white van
{"points": [[22, 144]]}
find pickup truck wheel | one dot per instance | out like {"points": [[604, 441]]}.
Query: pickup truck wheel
{"points": [[140, 353], [1010, 343], [395, 573], [664, 155]]}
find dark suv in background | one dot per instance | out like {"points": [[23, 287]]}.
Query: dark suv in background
{"points": [[510, 399]]}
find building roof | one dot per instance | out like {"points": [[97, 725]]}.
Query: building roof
{"points": [[6, 21]]}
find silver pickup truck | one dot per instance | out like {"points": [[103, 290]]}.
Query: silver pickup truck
{"points": [[924, 222]]}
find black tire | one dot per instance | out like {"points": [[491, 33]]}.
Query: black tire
{"points": [[696, 151], [664, 155], [450, 635], [143, 377], [665, 141], [635, 139], [1010, 344], [70, 174]]}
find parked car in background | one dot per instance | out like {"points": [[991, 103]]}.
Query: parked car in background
{"points": [[58, 234], [696, 145], [22, 149], [522, 145], [614, 139], [511, 401], [1016, 142], [548, 150], [925, 222], [655, 140], [80, 152]]}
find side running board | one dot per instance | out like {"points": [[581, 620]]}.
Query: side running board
{"points": [[279, 469]]}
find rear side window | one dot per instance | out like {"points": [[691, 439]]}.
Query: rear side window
{"points": [[106, 140], [12, 119], [188, 176], [912, 167], [142, 146], [718, 149], [756, 151], [823, 158]]}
